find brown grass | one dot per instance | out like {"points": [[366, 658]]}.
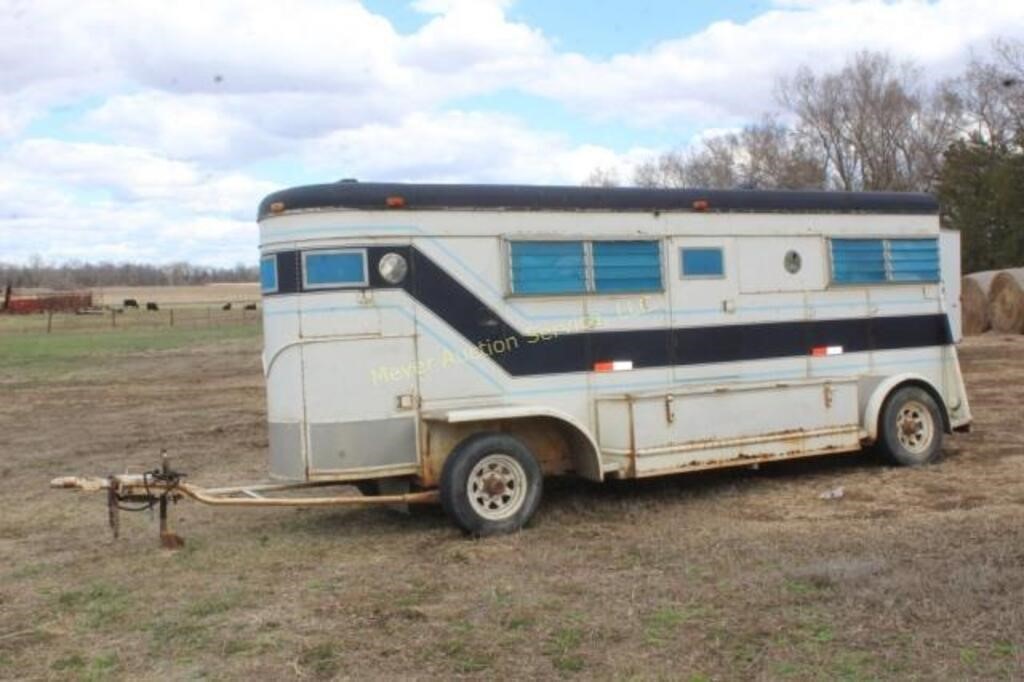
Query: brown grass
{"points": [[914, 574], [208, 294]]}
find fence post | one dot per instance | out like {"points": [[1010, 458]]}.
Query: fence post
{"points": [[49, 321], [113, 317], [172, 316], [209, 316]]}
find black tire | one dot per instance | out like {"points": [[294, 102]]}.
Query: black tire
{"points": [[516, 478], [368, 488], [910, 428]]}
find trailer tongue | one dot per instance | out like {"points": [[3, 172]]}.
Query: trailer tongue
{"points": [[162, 486]]}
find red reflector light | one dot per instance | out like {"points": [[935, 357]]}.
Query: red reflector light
{"points": [[395, 202], [701, 205], [613, 366]]}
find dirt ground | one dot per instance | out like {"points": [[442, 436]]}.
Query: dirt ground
{"points": [[913, 574]]}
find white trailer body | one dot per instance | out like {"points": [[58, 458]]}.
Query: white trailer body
{"points": [[613, 332]]}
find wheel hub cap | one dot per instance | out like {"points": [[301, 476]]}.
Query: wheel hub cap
{"points": [[915, 427], [496, 487]]}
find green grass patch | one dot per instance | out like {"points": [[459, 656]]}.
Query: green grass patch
{"points": [[323, 660], [464, 655], [520, 622], [102, 667], [1003, 649], [28, 571], [562, 647], [852, 666], [98, 668], [802, 587], [44, 354], [97, 606], [661, 624], [183, 635], [215, 604], [69, 664]]}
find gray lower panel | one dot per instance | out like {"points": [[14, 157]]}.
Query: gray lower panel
{"points": [[356, 445], [286, 451]]}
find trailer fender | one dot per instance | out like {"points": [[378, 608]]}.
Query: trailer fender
{"points": [[877, 389], [583, 449]]}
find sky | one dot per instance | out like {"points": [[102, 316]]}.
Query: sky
{"points": [[148, 131]]}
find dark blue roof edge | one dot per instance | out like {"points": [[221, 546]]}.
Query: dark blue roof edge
{"points": [[374, 196]]}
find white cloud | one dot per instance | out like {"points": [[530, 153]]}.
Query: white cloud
{"points": [[177, 99], [95, 201], [455, 146], [728, 70]]}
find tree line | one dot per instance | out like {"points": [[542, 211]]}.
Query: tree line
{"points": [[878, 124], [81, 275]]}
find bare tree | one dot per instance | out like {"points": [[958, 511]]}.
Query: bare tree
{"points": [[602, 177], [1010, 56], [879, 126], [764, 155], [77, 274], [993, 95]]}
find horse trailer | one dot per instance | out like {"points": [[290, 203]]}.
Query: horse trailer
{"points": [[459, 343]]}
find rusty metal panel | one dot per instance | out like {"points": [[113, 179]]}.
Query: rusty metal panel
{"points": [[662, 431]]}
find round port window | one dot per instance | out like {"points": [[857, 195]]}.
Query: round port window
{"points": [[792, 262]]}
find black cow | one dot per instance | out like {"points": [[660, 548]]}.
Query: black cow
{"points": [[131, 303], [250, 306], [152, 306], [226, 306]]}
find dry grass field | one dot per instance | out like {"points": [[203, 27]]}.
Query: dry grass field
{"points": [[913, 574], [208, 294]]}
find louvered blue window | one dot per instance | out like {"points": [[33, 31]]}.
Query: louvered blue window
{"points": [[548, 268], [868, 261], [334, 268], [626, 266], [268, 274], [858, 261], [913, 260], [702, 262]]}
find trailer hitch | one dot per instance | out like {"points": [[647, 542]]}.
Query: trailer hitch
{"points": [[159, 488], [164, 486]]}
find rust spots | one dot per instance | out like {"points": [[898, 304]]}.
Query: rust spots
{"points": [[171, 540]]}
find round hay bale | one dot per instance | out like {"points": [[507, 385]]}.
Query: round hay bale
{"points": [[1006, 301], [974, 301]]}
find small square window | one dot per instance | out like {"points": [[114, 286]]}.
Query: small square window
{"points": [[703, 261], [268, 274], [337, 268]]}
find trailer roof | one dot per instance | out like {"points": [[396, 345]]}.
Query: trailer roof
{"points": [[395, 196]]}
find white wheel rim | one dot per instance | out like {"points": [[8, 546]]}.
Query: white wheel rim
{"points": [[497, 487], [915, 427]]}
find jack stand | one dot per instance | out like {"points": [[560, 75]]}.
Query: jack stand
{"points": [[168, 538]]}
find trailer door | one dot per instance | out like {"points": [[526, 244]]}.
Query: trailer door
{"points": [[949, 254], [360, 406]]}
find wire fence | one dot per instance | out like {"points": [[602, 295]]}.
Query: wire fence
{"points": [[115, 319]]}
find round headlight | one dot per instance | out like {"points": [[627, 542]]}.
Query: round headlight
{"points": [[392, 267]]}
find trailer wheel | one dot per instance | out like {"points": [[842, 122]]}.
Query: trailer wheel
{"points": [[491, 483], [911, 427]]}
